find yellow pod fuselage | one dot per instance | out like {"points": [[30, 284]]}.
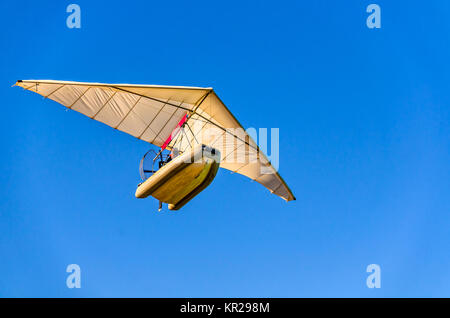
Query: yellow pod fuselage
{"points": [[181, 179]]}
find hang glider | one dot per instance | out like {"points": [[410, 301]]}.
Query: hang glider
{"points": [[153, 112]]}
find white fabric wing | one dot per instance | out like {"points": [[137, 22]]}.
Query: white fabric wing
{"points": [[151, 112]]}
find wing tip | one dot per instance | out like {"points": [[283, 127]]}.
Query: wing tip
{"points": [[17, 83], [289, 199]]}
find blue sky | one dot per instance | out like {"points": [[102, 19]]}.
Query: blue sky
{"points": [[364, 140]]}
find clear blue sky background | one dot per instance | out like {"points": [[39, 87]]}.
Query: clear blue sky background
{"points": [[364, 128]]}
